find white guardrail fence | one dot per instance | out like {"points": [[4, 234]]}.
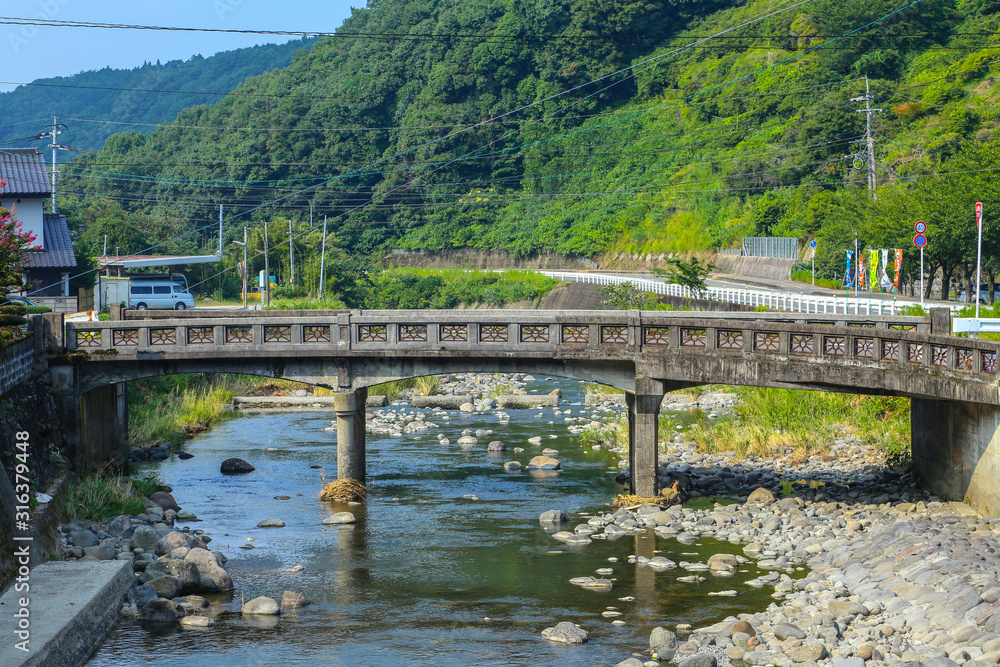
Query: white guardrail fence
{"points": [[797, 303]]}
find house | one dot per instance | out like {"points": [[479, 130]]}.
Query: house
{"points": [[28, 186]]}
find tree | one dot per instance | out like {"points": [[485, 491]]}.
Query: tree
{"points": [[14, 242], [687, 273]]}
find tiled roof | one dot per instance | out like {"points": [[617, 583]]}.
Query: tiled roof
{"points": [[25, 171], [58, 252]]}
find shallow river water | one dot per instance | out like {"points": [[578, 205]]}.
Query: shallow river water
{"points": [[426, 576]]}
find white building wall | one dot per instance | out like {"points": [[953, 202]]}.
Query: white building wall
{"points": [[29, 212]]}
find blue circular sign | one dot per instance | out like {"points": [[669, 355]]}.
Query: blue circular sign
{"points": [[920, 240], [812, 244]]}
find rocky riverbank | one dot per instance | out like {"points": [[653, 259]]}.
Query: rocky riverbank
{"points": [[895, 575]]}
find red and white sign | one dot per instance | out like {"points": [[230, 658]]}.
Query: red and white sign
{"points": [[979, 214], [920, 240], [920, 227]]}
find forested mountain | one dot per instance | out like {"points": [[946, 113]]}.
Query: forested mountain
{"points": [[587, 126], [97, 104]]}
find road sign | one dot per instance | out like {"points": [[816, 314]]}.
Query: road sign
{"points": [[812, 244], [920, 240], [920, 227], [979, 214]]}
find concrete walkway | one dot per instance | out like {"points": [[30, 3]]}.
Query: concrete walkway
{"points": [[71, 606]]}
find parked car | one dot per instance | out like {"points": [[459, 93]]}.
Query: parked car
{"points": [[984, 294], [158, 295]]}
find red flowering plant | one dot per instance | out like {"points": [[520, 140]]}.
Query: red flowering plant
{"points": [[14, 242]]}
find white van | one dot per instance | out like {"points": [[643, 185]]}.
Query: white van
{"points": [[158, 295]]}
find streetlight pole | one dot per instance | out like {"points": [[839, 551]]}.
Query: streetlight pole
{"points": [[267, 268]]}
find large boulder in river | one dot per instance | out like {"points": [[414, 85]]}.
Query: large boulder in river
{"points": [[169, 567], [550, 517], [236, 466], [262, 605], [662, 644], [213, 576], [165, 587], [165, 500], [162, 610], [565, 633], [176, 539], [543, 463], [760, 496], [146, 538]]}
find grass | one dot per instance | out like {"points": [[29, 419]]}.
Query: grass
{"points": [[609, 435], [169, 409], [802, 424], [392, 390], [805, 276], [427, 385], [99, 496], [593, 389], [500, 389]]}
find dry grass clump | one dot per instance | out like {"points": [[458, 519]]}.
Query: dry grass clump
{"points": [[672, 495], [344, 490]]}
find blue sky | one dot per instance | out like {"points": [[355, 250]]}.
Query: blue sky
{"points": [[28, 53]]}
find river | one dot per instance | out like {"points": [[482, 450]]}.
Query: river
{"points": [[447, 564]]}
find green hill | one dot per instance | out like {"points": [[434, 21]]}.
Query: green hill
{"points": [[118, 98], [591, 127]]}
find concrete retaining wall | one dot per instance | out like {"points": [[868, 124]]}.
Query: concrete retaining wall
{"points": [[71, 606], [757, 267], [440, 402], [470, 259], [526, 402]]}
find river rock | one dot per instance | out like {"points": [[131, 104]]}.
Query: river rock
{"points": [[468, 440], [161, 610], [142, 595], [535, 440], [176, 539], [543, 463], [165, 586], [662, 644], [197, 622], [512, 466], [630, 662], [699, 660], [165, 500], [84, 538], [722, 562], [467, 407], [339, 518], [496, 446], [785, 631], [262, 605], [808, 652], [565, 633], [549, 452], [271, 523], [212, 576], [760, 496], [292, 600], [235, 466], [553, 517], [145, 538], [744, 627], [192, 603], [185, 571], [103, 551]]}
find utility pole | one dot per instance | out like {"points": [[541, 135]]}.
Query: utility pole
{"points": [[246, 267], [54, 131], [322, 261], [291, 257], [869, 139], [267, 268]]}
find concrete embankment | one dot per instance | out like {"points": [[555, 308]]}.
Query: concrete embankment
{"points": [[440, 402], [296, 402], [71, 606]]}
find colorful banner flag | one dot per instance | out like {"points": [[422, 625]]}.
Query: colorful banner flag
{"points": [[862, 274], [885, 269], [848, 283], [899, 267], [873, 269]]}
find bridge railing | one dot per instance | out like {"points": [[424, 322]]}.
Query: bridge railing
{"points": [[790, 301], [901, 341]]}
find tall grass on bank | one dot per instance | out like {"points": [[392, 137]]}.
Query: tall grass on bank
{"points": [[805, 423], [161, 408], [392, 390], [99, 496]]}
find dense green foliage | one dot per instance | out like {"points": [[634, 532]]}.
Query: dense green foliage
{"points": [[96, 104], [454, 137]]}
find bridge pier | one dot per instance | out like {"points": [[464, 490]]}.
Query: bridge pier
{"points": [[350, 409], [643, 423], [95, 423], [956, 450]]}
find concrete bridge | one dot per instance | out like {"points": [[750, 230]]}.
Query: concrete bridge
{"points": [[952, 381]]}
